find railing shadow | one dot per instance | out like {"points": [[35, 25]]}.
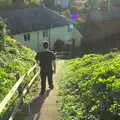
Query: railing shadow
{"points": [[36, 104]]}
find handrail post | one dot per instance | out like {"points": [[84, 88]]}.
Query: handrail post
{"points": [[20, 90], [34, 71]]}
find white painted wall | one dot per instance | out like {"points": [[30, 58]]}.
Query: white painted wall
{"points": [[62, 3], [77, 37], [34, 40], [61, 33]]}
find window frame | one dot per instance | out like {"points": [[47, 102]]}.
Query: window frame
{"points": [[45, 33], [27, 37]]}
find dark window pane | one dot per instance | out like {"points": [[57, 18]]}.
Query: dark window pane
{"points": [[43, 33], [25, 38], [28, 36]]}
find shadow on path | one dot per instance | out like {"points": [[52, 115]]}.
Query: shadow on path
{"points": [[37, 103]]}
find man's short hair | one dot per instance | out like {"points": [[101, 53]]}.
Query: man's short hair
{"points": [[45, 44]]}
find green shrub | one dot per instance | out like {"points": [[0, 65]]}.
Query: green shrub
{"points": [[15, 59], [90, 88]]}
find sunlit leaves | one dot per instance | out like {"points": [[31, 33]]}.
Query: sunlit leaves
{"points": [[14, 59], [92, 85]]}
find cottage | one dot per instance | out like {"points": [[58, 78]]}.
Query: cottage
{"points": [[31, 26], [62, 3]]}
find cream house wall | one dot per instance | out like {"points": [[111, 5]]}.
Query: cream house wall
{"points": [[61, 33], [76, 35], [34, 40]]}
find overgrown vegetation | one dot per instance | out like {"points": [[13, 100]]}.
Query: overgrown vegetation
{"points": [[90, 88], [15, 58]]}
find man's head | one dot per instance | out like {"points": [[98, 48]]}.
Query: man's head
{"points": [[45, 44]]}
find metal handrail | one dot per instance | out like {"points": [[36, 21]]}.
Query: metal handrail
{"points": [[8, 97], [21, 97]]}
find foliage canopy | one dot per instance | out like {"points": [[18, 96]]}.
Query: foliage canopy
{"points": [[90, 88]]}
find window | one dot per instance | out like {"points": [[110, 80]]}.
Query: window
{"points": [[27, 37], [70, 27], [45, 33]]}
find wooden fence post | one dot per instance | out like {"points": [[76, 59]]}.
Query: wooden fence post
{"points": [[20, 89], [34, 71]]}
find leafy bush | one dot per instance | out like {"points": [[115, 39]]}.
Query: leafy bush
{"points": [[15, 59], [35, 2], [90, 88]]}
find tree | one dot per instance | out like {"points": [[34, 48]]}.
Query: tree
{"points": [[18, 2], [49, 3], [35, 2], [59, 45], [2, 32], [92, 4]]}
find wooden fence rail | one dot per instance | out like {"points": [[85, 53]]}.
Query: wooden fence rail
{"points": [[63, 55], [8, 97]]}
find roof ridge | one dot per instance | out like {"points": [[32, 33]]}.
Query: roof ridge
{"points": [[38, 17]]}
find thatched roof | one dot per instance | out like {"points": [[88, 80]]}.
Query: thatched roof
{"points": [[32, 19]]}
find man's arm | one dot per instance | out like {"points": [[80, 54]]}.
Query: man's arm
{"points": [[54, 66], [54, 62], [37, 58]]}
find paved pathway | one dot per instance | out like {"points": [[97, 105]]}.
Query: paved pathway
{"points": [[46, 107]]}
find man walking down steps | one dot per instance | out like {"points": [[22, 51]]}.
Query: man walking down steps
{"points": [[46, 60]]}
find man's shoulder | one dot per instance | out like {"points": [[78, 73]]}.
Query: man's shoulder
{"points": [[50, 52], [41, 52], [47, 52], [38, 53]]}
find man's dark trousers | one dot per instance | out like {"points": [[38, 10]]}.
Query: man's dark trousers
{"points": [[43, 76]]}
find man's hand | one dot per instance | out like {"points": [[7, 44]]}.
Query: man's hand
{"points": [[54, 71]]}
